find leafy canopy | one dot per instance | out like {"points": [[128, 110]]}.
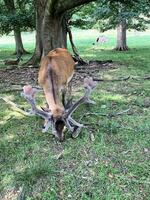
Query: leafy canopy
{"points": [[22, 16], [105, 15]]}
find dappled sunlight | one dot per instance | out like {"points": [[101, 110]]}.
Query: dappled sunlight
{"points": [[7, 179], [101, 48], [90, 55], [111, 97], [6, 182], [19, 167], [8, 137], [9, 111], [10, 114]]}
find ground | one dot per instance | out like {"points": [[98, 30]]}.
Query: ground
{"points": [[111, 157]]}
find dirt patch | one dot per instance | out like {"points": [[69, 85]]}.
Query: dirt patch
{"points": [[13, 77]]}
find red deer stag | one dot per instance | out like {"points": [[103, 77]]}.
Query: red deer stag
{"points": [[55, 74]]}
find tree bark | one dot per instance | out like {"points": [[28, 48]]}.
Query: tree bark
{"points": [[18, 41], [121, 37], [53, 33]]}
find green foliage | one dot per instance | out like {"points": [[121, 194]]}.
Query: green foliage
{"points": [[21, 16], [82, 17], [106, 15]]}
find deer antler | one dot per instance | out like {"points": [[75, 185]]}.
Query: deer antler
{"points": [[89, 85], [29, 94], [75, 127]]}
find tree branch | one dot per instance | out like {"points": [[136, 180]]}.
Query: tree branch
{"points": [[62, 6]]}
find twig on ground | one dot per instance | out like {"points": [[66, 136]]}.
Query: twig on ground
{"points": [[120, 113], [147, 78], [109, 115], [59, 156], [119, 79], [141, 78], [11, 90]]}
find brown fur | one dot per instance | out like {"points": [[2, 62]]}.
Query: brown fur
{"points": [[55, 72]]}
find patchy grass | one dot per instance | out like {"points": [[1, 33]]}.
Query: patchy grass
{"points": [[114, 166]]}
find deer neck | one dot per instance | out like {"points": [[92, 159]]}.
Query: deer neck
{"points": [[53, 101]]}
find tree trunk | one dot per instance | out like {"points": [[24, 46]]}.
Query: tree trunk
{"points": [[54, 35], [18, 41], [64, 31], [36, 57], [50, 25], [17, 33], [121, 37]]}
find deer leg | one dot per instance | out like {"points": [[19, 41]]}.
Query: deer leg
{"points": [[46, 126]]}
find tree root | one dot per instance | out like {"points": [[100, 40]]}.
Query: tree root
{"points": [[76, 56], [121, 48], [23, 52], [33, 61]]}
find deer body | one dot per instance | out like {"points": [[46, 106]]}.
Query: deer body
{"points": [[55, 73]]}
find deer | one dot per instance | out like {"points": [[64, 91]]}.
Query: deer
{"points": [[55, 75]]}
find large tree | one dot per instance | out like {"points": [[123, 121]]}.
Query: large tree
{"points": [[16, 16], [51, 31]]}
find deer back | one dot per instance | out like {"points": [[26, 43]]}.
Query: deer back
{"points": [[55, 72]]}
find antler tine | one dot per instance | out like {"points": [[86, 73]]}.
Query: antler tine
{"points": [[89, 85], [29, 94], [71, 124]]}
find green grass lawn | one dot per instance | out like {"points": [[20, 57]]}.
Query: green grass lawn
{"points": [[116, 165]]}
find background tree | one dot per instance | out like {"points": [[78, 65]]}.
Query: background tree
{"points": [[106, 15], [123, 15], [16, 16]]}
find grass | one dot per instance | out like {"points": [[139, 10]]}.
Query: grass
{"points": [[115, 166]]}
